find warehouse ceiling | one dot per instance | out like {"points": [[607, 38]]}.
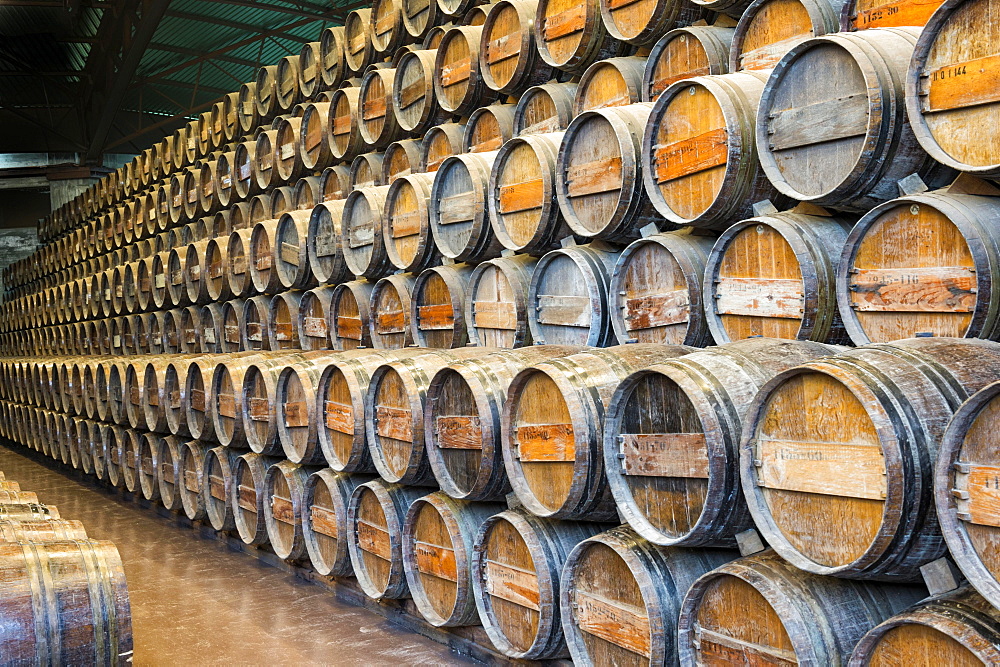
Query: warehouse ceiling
{"points": [[112, 76]]}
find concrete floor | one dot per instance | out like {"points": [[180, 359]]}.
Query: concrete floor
{"points": [[197, 602]]}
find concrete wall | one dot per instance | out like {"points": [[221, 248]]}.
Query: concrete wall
{"points": [[15, 244]]}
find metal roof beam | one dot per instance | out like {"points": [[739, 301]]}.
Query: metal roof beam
{"points": [[241, 27], [302, 9], [192, 86], [162, 123], [225, 49], [170, 48], [140, 21]]}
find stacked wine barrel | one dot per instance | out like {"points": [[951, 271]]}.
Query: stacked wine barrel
{"points": [[442, 301], [65, 597]]}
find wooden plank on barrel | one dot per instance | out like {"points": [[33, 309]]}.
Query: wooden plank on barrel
{"points": [[664, 455], [503, 48], [258, 409], [227, 405], [284, 331], [390, 322], [456, 72], [436, 317], [658, 310], [349, 327], [290, 253], [717, 648], [167, 472], [217, 487], [191, 481], [521, 196], [436, 561], [263, 262], [232, 334], [296, 414], [314, 327], [692, 155], [495, 315], [977, 493], [828, 120], [962, 84], [459, 432], [374, 539], [942, 289], [546, 443], [830, 468], [563, 310], [395, 423], [768, 55], [759, 297], [565, 23], [282, 509], [457, 208], [411, 94], [512, 584], [326, 243], [324, 521], [342, 125], [247, 498], [612, 621], [405, 224], [254, 331], [595, 177], [373, 108], [340, 417], [361, 233], [196, 398]]}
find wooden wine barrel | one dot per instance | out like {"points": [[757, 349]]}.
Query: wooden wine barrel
{"points": [[335, 182], [378, 124], [656, 290], [961, 488], [264, 167], [857, 164], [190, 483], [602, 196], [545, 109], [459, 77], [232, 326], [188, 397], [552, 432], [614, 82], [344, 124], [361, 232], [414, 103], [948, 89], [792, 295], [216, 283], [237, 273], [314, 136], [620, 597], [888, 290], [390, 312], [306, 193], [671, 438], [438, 546], [284, 490], [52, 530], [440, 142], [516, 563], [890, 437], [407, 233], [28, 511], [508, 57], [246, 496], [195, 272], [458, 216], [290, 253], [768, 29], [230, 121], [366, 171], [260, 257], [225, 176], [309, 76], [323, 239], [325, 520], [496, 305], [684, 53], [219, 472], [386, 28], [568, 296], [314, 309], [358, 50], [958, 628], [283, 321], [81, 614], [571, 35], [244, 183], [642, 24], [376, 513], [465, 400], [437, 316], [288, 162], [394, 406], [401, 158], [286, 83], [419, 18], [349, 315], [259, 407], [332, 65], [799, 618], [266, 97], [488, 128], [256, 324], [699, 155]]}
